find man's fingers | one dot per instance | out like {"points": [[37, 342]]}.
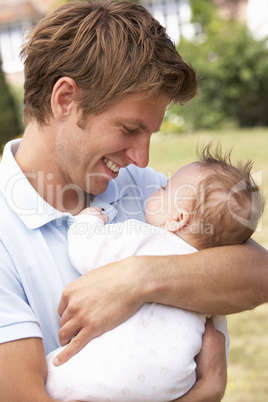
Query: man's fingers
{"points": [[68, 330], [209, 324], [62, 305], [211, 327], [75, 345], [212, 335]]}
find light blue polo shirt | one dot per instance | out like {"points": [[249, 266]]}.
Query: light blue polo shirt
{"points": [[34, 262]]}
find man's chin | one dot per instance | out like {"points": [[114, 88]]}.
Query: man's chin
{"points": [[97, 189]]}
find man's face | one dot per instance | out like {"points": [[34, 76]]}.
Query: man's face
{"points": [[91, 156]]}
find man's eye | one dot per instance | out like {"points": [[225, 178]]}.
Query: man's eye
{"points": [[130, 131], [164, 188]]}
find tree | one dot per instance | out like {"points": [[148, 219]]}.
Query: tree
{"points": [[203, 11], [232, 69], [9, 124]]}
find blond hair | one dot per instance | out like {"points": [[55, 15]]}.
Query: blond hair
{"points": [[228, 203], [110, 49]]}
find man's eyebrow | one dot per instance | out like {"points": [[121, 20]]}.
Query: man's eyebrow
{"points": [[139, 123]]}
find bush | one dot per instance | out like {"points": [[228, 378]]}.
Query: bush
{"points": [[232, 69], [9, 124]]}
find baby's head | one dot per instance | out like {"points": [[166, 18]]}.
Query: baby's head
{"points": [[209, 202]]}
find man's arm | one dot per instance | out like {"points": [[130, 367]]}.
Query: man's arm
{"points": [[223, 280], [220, 280], [23, 371]]}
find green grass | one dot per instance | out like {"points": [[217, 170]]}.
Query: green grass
{"points": [[248, 367]]}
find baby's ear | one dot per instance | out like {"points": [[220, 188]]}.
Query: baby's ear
{"points": [[177, 222]]}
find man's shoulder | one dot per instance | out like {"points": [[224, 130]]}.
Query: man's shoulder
{"points": [[4, 209], [8, 219]]}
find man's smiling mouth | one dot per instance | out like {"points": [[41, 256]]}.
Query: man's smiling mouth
{"points": [[111, 165]]}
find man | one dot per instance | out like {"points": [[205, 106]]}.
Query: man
{"points": [[98, 78]]}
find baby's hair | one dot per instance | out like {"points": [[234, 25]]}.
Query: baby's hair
{"points": [[228, 203]]}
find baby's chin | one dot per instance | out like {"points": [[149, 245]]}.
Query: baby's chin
{"points": [[150, 219]]}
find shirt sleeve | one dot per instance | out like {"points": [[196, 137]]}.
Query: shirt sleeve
{"points": [[17, 320]]}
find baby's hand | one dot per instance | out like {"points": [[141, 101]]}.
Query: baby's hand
{"points": [[95, 211]]}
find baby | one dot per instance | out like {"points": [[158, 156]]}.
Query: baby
{"points": [[151, 356]]}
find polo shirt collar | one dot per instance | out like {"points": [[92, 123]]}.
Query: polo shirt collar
{"points": [[109, 199], [20, 196], [32, 209]]}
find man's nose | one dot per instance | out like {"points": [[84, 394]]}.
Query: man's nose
{"points": [[139, 152]]}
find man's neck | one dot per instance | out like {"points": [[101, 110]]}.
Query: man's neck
{"points": [[36, 159]]}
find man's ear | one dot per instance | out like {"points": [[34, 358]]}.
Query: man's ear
{"points": [[62, 97], [177, 222]]}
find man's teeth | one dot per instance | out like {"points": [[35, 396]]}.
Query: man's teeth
{"points": [[111, 165]]}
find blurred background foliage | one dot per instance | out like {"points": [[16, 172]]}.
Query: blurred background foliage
{"points": [[232, 69], [10, 126]]}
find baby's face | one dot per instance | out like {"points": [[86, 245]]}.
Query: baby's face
{"points": [[167, 202]]}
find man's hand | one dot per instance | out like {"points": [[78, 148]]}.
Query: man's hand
{"points": [[95, 303], [211, 361], [211, 368]]}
